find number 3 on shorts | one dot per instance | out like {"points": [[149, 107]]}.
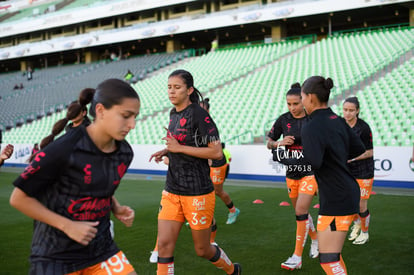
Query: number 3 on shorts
{"points": [[195, 221]]}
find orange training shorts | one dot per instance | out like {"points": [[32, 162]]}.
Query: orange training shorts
{"points": [[117, 264], [218, 174], [366, 187], [305, 185], [197, 210], [337, 223]]}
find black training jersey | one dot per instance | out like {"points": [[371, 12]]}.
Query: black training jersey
{"points": [[364, 168], [328, 143], [189, 175], [73, 178], [287, 125]]}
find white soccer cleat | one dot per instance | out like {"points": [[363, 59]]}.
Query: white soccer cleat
{"points": [[362, 238], [154, 257], [292, 263], [314, 249], [354, 231]]}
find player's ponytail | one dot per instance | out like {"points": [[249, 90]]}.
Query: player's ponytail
{"points": [[73, 111], [319, 86]]}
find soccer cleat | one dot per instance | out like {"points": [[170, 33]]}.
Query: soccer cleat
{"points": [[292, 263], [237, 269], [314, 249], [354, 231], [362, 238], [232, 217], [154, 257]]}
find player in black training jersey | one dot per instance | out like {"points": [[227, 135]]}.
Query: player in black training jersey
{"points": [[68, 189], [192, 138], [361, 167], [328, 143], [300, 180]]}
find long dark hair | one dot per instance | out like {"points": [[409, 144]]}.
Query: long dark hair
{"points": [[354, 100], [319, 86], [74, 110], [188, 79]]}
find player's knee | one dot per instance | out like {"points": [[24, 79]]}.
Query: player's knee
{"points": [[203, 251]]}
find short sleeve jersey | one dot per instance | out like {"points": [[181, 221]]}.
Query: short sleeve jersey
{"points": [[364, 168], [327, 145], [287, 125], [188, 175], [73, 178]]}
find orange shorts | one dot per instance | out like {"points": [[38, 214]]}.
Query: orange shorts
{"points": [[366, 187], [218, 174], [305, 185], [117, 264], [197, 210], [337, 223]]}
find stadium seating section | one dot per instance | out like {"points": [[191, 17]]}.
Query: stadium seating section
{"points": [[246, 86]]}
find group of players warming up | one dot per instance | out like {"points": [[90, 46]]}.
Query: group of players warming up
{"points": [[68, 187]]}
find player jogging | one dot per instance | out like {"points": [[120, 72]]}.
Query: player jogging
{"points": [[68, 189], [192, 138], [361, 167], [301, 183]]}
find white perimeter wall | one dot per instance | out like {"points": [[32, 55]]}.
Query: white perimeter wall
{"points": [[392, 164]]}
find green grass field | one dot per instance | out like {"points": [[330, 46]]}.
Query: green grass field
{"points": [[260, 240]]}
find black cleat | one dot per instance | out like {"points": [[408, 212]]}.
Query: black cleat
{"points": [[237, 269]]}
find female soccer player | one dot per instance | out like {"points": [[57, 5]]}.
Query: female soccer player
{"points": [[328, 142], [300, 180], [192, 138], [218, 173], [68, 190], [361, 167]]}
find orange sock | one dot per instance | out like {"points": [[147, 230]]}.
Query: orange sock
{"points": [[221, 261], [165, 266], [332, 263], [365, 217], [213, 233], [312, 230], [302, 224]]}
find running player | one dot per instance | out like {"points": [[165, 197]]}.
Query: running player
{"points": [[328, 142], [192, 138], [218, 172], [301, 183], [68, 189], [361, 167]]}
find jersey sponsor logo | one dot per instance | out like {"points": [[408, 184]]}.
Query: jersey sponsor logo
{"points": [[181, 138], [183, 121], [89, 208], [121, 172], [199, 204], [88, 174], [30, 169]]}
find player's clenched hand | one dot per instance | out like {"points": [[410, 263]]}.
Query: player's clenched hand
{"points": [[288, 140], [125, 214], [81, 232], [172, 144], [7, 152]]}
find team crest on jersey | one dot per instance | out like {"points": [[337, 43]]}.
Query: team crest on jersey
{"points": [[121, 172], [88, 174], [183, 121]]}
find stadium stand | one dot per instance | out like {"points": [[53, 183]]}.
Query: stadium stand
{"points": [[247, 85]]}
